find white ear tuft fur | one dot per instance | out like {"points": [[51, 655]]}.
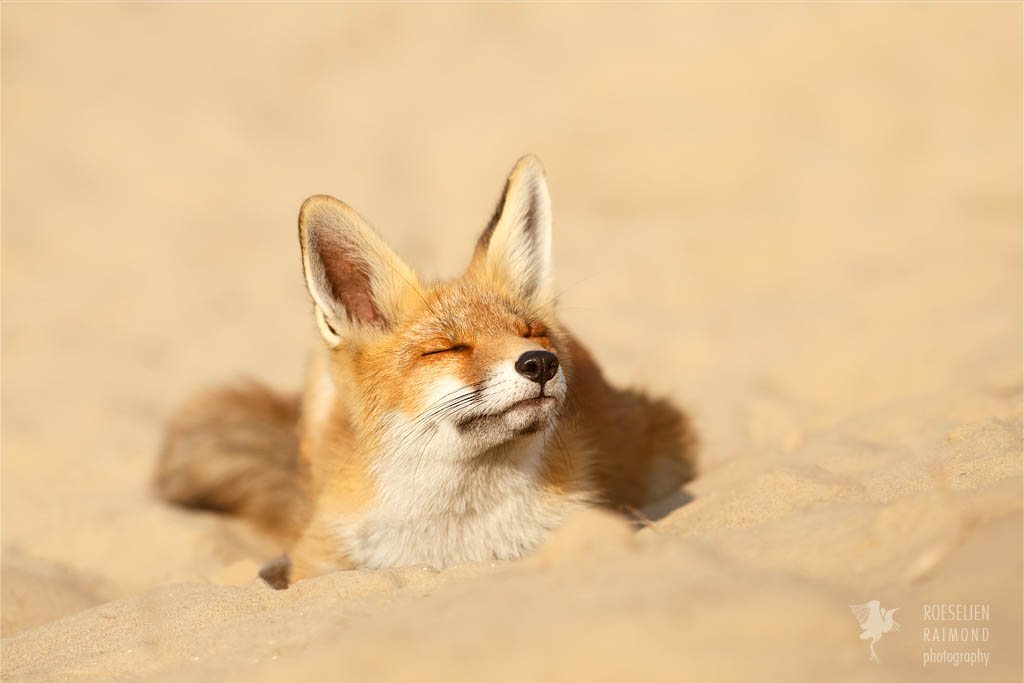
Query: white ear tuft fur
{"points": [[516, 246]]}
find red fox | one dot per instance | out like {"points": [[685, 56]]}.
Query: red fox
{"points": [[441, 423]]}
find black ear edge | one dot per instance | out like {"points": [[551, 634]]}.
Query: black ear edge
{"points": [[485, 238], [526, 170]]}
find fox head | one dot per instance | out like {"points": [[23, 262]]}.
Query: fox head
{"points": [[457, 368]]}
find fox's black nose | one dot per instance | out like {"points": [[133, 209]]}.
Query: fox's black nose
{"points": [[537, 366]]}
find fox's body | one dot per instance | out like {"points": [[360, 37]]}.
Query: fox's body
{"points": [[441, 423]]}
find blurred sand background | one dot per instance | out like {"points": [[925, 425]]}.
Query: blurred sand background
{"points": [[801, 221]]}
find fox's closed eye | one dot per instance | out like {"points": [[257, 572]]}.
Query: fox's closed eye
{"points": [[458, 347]]}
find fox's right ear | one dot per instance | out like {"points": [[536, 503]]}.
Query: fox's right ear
{"points": [[515, 248], [357, 282]]}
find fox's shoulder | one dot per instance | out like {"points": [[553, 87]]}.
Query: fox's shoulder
{"points": [[638, 448]]}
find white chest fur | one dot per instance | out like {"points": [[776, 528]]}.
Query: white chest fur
{"points": [[440, 509]]}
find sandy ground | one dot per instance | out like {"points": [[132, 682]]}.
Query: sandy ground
{"points": [[803, 222]]}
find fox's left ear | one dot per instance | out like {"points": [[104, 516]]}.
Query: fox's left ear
{"points": [[357, 283], [515, 248]]}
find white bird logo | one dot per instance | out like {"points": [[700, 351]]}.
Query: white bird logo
{"points": [[875, 620]]}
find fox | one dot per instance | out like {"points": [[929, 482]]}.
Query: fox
{"points": [[441, 422]]}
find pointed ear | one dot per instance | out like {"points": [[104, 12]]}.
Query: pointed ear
{"points": [[356, 281], [515, 249]]}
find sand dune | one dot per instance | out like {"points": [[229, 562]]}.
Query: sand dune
{"points": [[801, 222]]}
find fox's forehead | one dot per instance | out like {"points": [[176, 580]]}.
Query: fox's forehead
{"points": [[454, 310]]}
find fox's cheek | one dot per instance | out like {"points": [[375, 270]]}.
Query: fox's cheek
{"points": [[441, 398], [464, 367], [435, 386]]}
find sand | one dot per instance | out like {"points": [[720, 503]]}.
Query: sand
{"points": [[802, 222]]}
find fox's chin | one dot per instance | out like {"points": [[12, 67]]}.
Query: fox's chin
{"points": [[521, 418]]}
